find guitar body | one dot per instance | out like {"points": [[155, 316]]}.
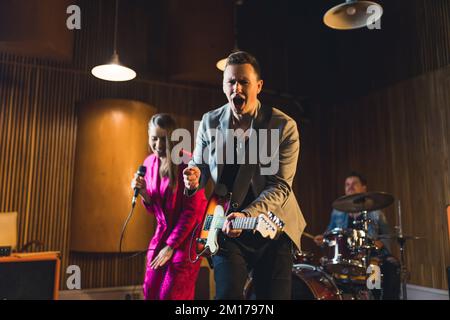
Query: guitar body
{"points": [[216, 209], [269, 226]]}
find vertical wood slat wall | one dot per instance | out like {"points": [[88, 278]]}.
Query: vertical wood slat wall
{"points": [[399, 138], [38, 102]]}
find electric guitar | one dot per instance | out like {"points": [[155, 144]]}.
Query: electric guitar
{"points": [[269, 226]]}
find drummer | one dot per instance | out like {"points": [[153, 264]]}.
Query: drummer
{"points": [[390, 267]]}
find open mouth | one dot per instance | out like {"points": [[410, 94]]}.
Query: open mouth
{"points": [[239, 102]]}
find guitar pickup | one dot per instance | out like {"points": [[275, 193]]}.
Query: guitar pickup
{"points": [[276, 220]]}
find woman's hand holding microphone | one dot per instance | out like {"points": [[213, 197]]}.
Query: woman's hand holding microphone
{"points": [[139, 183]]}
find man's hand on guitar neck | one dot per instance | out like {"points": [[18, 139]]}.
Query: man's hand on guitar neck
{"points": [[228, 225]]}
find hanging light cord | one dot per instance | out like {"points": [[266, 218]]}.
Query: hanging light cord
{"points": [[116, 22], [235, 24]]}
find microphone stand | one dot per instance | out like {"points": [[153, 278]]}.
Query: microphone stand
{"points": [[402, 243]]}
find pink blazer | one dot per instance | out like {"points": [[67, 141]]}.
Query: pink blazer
{"points": [[176, 215]]}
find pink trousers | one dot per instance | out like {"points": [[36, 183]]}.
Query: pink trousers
{"points": [[174, 281]]}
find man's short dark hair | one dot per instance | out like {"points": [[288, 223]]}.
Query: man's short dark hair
{"points": [[242, 57], [358, 175]]}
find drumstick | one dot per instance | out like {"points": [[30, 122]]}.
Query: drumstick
{"points": [[308, 235]]}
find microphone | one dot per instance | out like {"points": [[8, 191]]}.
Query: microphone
{"points": [[141, 172]]}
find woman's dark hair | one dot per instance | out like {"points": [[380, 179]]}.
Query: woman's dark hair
{"points": [[168, 168]]}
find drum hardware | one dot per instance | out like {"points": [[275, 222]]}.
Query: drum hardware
{"points": [[349, 251], [363, 203], [360, 245], [401, 240], [303, 257], [366, 202]]}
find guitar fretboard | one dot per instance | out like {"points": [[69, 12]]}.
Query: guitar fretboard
{"points": [[238, 223]]}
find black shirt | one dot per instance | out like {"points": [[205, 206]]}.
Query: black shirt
{"points": [[248, 240], [228, 177]]}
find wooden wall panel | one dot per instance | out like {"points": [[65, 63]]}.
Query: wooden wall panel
{"points": [[108, 153], [100, 270]]}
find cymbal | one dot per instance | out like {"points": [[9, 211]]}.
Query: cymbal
{"points": [[397, 237], [368, 201]]}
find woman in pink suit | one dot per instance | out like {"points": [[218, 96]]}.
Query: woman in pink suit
{"points": [[170, 275]]}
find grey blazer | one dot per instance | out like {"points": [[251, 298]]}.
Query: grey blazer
{"points": [[273, 192]]}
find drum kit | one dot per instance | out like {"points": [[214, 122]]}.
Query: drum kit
{"points": [[342, 273]]}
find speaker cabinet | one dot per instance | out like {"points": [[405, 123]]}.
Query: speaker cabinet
{"points": [[30, 276]]}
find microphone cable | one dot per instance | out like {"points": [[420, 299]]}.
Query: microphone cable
{"points": [[123, 233], [141, 172]]}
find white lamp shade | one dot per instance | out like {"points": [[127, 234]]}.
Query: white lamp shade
{"points": [[113, 72]]}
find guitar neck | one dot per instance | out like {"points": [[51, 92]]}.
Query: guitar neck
{"points": [[247, 223]]}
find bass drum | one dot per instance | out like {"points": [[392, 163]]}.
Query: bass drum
{"points": [[308, 283], [312, 283]]}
